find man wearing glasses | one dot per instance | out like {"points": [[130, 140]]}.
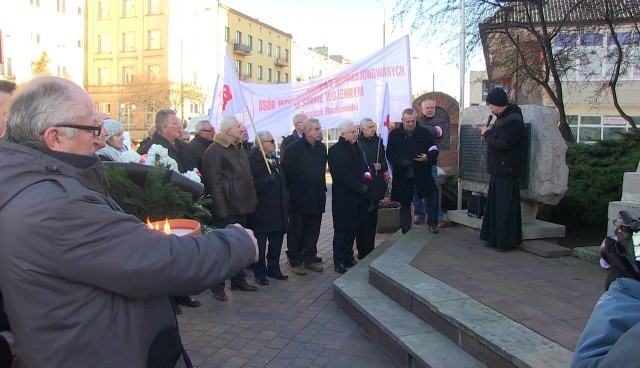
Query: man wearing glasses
{"points": [[76, 270], [202, 140]]}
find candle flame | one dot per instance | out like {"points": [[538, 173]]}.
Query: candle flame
{"points": [[167, 227], [149, 224]]}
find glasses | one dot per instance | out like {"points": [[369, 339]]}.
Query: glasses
{"points": [[95, 129], [271, 141], [207, 130]]}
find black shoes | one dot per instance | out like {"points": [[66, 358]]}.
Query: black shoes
{"points": [[262, 281], [244, 287], [177, 310], [188, 302], [349, 264], [340, 268], [278, 276], [433, 228]]}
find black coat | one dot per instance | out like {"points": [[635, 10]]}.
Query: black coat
{"points": [[374, 151], [401, 151], [197, 146], [286, 141], [506, 144], [431, 123], [347, 167], [304, 168], [180, 152], [272, 211]]}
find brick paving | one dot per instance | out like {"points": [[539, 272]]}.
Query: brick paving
{"points": [[552, 296], [291, 323]]}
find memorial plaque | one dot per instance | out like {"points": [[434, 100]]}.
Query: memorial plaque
{"points": [[473, 155]]}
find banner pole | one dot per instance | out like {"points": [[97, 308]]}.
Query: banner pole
{"points": [[255, 132]]}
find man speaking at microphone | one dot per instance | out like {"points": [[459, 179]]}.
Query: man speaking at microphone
{"points": [[502, 222]]}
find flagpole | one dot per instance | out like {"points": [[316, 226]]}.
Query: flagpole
{"points": [[255, 132]]}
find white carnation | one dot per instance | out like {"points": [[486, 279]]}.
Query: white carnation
{"points": [[169, 163], [157, 149], [193, 175], [131, 156]]}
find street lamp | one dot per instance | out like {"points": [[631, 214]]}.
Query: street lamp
{"points": [[384, 24]]}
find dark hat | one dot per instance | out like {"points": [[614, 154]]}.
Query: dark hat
{"points": [[497, 97]]}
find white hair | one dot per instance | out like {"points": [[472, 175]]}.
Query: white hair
{"points": [[226, 123], [344, 124]]}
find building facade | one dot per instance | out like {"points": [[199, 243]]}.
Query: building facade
{"points": [[28, 46]]}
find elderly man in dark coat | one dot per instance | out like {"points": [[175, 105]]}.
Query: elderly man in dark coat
{"points": [[411, 152], [351, 184], [375, 155], [202, 141], [270, 220], [304, 166], [168, 136]]}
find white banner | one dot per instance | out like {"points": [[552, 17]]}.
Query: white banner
{"points": [[354, 92]]}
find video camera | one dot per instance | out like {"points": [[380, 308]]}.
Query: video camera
{"points": [[622, 252]]}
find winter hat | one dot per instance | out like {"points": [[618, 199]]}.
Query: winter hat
{"points": [[112, 127], [497, 97]]}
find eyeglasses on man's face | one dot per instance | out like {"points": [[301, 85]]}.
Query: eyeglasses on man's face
{"points": [[207, 130], [95, 129], [270, 141]]}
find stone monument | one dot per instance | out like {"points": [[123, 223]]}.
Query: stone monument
{"points": [[630, 200], [547, 172]]}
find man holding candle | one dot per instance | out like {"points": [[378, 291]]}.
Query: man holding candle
{"points": [[227, 178], [85, 284]]}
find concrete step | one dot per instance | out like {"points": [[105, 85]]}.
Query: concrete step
{"points": [[411, 341], [492, 338]]}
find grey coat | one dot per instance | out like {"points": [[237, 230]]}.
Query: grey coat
{"points": [[84, 284]]}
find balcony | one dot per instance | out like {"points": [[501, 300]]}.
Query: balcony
{"points": [[282, 62], [246, 77], [241, 49]]}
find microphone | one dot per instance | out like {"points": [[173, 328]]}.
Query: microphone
{"points": [[489, 120]]}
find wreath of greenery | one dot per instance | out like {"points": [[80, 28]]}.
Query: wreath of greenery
{"points": [[157, 199]]}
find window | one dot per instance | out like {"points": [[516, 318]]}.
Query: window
{"points": [[128, 41], [154, 7], [250, 41], [277, 52], [153, 72], [565, 39], [286, 77], [259, 72], [259, 46], [625, 38], [591, 39], [34, 2], [104, 46], [238, 39], [79, 44], [10, 67], [35, 37], [103, 107], [128, 8], [269, 49], [268, 74], [277, 76], [103, 77], [61, 6], [127, 74], [103, 10], [62, 71], [154, 40], [249, 73], [238, 68], [286, 54], [226, 33]]}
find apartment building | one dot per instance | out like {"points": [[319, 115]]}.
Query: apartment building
{"points": [[143, 55], [46, 31]]}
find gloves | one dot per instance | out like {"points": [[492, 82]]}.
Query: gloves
{"points": [[271, 179], [364, 189], [406, 164]]}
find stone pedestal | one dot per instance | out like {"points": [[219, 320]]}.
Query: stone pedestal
{"points": [[536, 229], [528, 210], [630, 200], [388, 220]]}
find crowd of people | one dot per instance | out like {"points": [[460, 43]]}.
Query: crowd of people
{"points": [[73, 261]]}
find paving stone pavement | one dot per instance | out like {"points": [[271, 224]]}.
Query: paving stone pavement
{"points": [[291, 323]]}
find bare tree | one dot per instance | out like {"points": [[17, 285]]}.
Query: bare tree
{"points": [[148, 94], [522, 40], [186, 92]]}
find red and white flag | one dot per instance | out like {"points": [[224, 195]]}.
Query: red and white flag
{"points": [[384, 127], [228, 98]]}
